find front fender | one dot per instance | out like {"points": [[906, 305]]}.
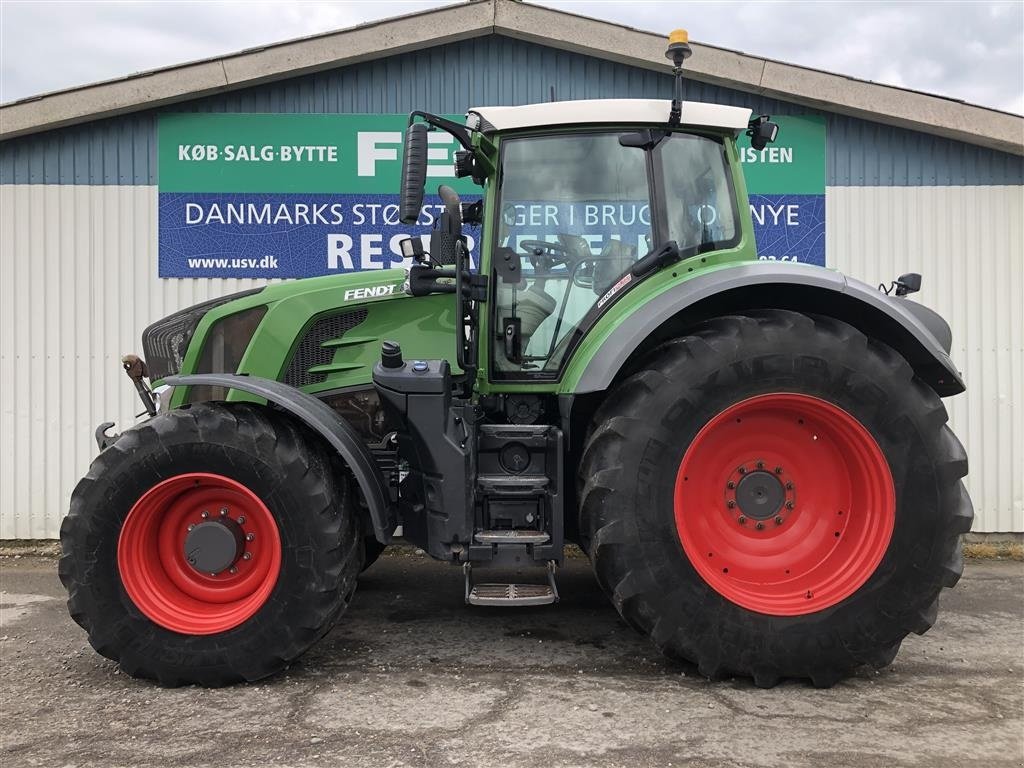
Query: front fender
{"points": [[323, 420], [916, 332]]}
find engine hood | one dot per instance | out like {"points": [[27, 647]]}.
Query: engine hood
{"points": [[352, 287], [322, 334]]}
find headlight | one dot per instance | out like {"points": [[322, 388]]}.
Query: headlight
{"points": [[166, 341]]}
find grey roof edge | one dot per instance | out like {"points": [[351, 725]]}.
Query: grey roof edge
{"points": [[927, 113], [254, 66], [817, 89]]}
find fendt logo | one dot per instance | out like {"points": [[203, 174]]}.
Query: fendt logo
{"points": [[373, 292]]}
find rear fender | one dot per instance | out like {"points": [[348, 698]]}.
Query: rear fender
{"points": [[915, 331], [319, 417]]}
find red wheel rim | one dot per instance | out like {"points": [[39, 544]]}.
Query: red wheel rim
{"points": [[156, 571], [784, 504]]}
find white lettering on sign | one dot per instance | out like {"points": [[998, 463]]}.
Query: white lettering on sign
{"points": [[266, 213], [371, 254], [369, 151], [197, 152], [608, 215], [372, 292], [251, 153], [775, 214], [440, 153], [374, 146], [766, 155], [248, 154], [309, 154], [339, 252]]}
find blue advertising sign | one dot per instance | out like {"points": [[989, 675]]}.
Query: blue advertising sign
{"points": [[281, 196]]}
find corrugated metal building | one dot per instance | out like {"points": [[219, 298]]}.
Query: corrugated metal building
{"points": [[914, 183]]}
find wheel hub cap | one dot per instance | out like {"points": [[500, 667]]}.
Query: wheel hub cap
{"points": [[760, 495], [214, 546]]}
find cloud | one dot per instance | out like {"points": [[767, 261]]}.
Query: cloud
{"points": [[967, 50], [973, 51], [46, 46]]}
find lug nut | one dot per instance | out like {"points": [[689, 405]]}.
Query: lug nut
{"points": [[247, 556], [241, 519], [232, 569], [760, 465], [778, 470], [191, 526], [730, 484], [759, 526], [743, 519], [730, 504], [743, 470], [778, 520], [250, 536], [789, 505], [205, 514], [223, 511], [789, 486]]}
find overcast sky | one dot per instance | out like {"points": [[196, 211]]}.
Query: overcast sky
{"points": [[968, 50]]}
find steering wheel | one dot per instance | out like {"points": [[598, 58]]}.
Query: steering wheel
{"points": [[545, 255]]}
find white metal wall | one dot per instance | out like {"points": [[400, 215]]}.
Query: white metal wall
{"points": [[78, 284], [968, 243]]}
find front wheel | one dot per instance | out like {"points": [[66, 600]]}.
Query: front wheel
{"points": [[775, 495], [210, 545]]}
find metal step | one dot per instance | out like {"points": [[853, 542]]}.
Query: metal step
{"points": [[512, 485], [509, 595], [518, 536]]}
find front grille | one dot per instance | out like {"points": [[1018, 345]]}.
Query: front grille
{"points": [[311, 352]]}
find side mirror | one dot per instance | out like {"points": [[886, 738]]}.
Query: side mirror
{"points": [[762, 132], [908, 283], [414, 173]]}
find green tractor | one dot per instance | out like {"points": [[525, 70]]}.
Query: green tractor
{"points": [[753, 454]]}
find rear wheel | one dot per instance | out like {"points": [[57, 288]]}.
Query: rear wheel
{"points": [[210, 545], [775, 495]]}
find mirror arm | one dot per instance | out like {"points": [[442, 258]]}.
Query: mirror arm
{"points": [[460, 132]]}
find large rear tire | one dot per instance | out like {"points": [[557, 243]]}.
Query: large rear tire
{"points": [[775, 495], [210, 545]]}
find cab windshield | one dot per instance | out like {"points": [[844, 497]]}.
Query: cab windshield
{"points": [[578, 211]]}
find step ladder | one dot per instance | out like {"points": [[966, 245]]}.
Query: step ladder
{"points": [[512, 536], [509, 595]]}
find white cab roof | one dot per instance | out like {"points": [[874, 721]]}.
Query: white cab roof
{"points": [[591, 111]]}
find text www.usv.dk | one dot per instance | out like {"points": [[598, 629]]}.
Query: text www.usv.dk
{"points": [[267, 262]]}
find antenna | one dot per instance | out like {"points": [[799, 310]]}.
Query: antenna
{"points": [[678, 51]]}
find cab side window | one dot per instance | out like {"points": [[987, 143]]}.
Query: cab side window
{"points": [[576, 209]]}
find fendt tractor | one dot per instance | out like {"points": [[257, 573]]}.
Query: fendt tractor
{"points": [[752, 453]]}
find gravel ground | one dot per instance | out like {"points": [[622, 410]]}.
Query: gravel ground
{"points": [[413, 677]]}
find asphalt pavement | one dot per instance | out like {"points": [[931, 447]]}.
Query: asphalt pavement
{"points": [[413, 677]]}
